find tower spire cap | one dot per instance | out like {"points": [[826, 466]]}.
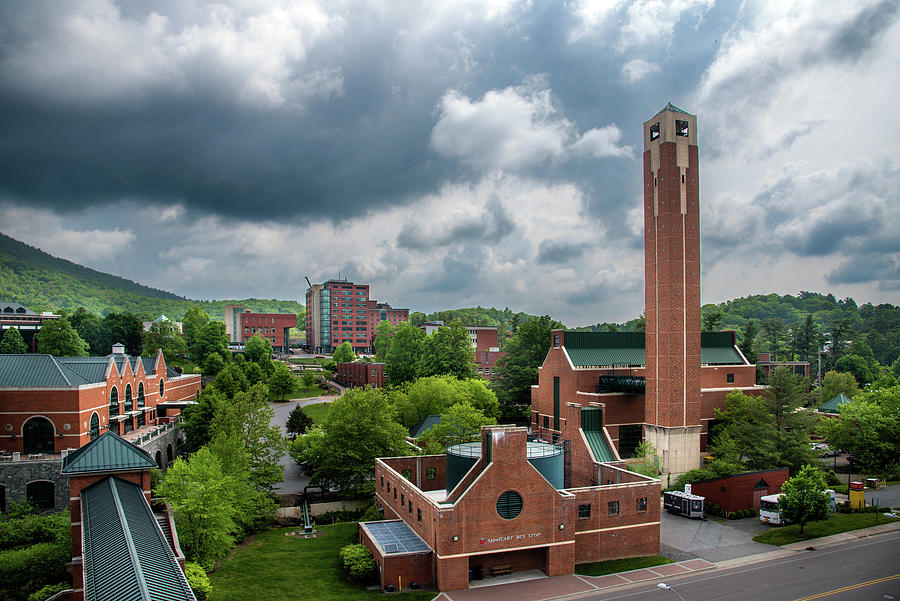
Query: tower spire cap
{"points": [[671, 107]]}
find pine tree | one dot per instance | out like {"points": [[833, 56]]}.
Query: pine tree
{"points": [[12, 343]]}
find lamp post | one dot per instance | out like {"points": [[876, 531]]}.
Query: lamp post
{"points": [[666, 587]]}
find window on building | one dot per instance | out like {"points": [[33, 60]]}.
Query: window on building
{"points": [[128, 426], [681, 128], [419, 513], [630, 436], [410, 506], [140, 399], [37, 436], [395, 493], [406, 474], [729, 378], [556, 340], [389, 487], [556, 403], [612, 508], [382, 482], [654, 131], [402, 499], [162, 389], [430, 473], [128, 405], [113, 402], [584, 512], [95, 426], [547, 422], [141, 420], [641, 504], [509, 505], [114, 427]]}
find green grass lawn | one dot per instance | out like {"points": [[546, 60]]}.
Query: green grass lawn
{"points": [[308, 360], [837, 523], [318, 412], [612, 566], [275, 567]]}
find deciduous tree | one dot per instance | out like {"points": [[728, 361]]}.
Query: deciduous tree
{"points": [[125, 328], [518, 369], [404, 353], [164, 335], [384, 338], [460, 422], [88, 327], [282, 381], [835, 383], [191, 324], [748, 341], [447, 352], [257, 347], [803, 497], [712, 320], [344, 353], [869, 429], [210, 340], [59, 338]]}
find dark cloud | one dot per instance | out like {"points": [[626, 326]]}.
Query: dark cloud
{"points": [[858, 36], [488, 227], [869, 267], [559, 251]]}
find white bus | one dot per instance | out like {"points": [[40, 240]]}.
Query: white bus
{"points": [[770, 514]]}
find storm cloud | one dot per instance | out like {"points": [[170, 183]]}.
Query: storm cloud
{"points": [[456, 153]]}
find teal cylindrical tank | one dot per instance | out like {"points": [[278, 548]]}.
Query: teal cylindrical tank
{"points": [[547, 459]]}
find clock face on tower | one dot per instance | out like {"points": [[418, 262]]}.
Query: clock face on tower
{"points": [[681, 128], [654, 131]]}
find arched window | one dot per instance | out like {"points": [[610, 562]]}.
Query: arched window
{"points": [[140, 399], [162, 389], [128, 405], [37, 435], [113, 402], [170, 453], [40, 493], [95, 426], [159, 459]]}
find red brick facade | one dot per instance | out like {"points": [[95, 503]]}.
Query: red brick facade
{"points": [[273, 327], [741, 491], [71, 410], [464, 529], [357, 375]]}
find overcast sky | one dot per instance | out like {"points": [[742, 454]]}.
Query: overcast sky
{"points": [[450, 154]]}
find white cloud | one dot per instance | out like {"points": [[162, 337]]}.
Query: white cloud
{"points": [[602, 142], [637, 69], [636, 23]]}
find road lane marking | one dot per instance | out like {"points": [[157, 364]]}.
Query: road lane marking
{"points": [[850, 588]]}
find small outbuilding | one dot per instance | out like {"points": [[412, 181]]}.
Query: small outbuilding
{"points": [[740, 491]]}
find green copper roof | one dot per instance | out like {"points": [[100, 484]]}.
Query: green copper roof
{"points": [[126, 555], [38, 371], [599, 447], [424, 425], [594, 349], [833, 405], [108, 453], [671, 107]]}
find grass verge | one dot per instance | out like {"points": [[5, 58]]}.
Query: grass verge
{"points": [[275, 567], [612, 566], [837, 523], [318, 412]]}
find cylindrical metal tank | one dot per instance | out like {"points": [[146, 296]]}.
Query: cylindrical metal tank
{"points": [[546, 459]]}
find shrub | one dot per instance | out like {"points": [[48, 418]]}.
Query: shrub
{"points": [[831, 479], [372, 514], [48, 591], [358, 562], [34, 529], [27, 569], [340, 515], [197, 580], [713, 509]]}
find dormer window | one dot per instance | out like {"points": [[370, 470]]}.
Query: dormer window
{"points": [[681, 128]]}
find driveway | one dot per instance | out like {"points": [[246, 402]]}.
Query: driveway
{"points": [[712, 539], [294, 480]]}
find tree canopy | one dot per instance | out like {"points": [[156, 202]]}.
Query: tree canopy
{"points": [[435, 394], [869, 429], [257, 347], [59, 338], [12, 343], [803, 497], [447, 352], [164, 335], [404, 353], [518, 369], [344, 353], [460, 422]]}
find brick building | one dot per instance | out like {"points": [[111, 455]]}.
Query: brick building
{"points": [[28, 322], [662, 385], [340, 311], [358, 374], [49, 404], [767, 365], [242, 325], [486, 364], [741, 491], [509, 504]]}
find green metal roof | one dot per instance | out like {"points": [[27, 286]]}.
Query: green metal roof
{"points": [[599, 446], [584, 357], [833, 405], [107, 453], [126, 555], [590, 349], [38, 371], [424, 425], [671, 107]]}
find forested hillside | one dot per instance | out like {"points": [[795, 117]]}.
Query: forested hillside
{"points": [[45, 283]]}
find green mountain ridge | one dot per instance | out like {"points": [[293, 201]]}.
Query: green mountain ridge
{"points": [[42, 282]]}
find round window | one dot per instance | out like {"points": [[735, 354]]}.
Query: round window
{"points": [[509, 505]]}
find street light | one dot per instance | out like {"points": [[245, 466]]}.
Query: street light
{"points": [[666, 587]]}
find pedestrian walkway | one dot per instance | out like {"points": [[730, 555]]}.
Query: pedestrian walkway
{"points": [[571, 584]]}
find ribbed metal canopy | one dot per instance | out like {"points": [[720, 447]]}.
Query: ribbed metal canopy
{"points": [[108, 453]]}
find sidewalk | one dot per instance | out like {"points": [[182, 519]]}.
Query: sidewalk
{"points": [[561, 587]]}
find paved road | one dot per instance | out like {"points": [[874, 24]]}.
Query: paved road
{"points": [[862, 569], [294, 479]]}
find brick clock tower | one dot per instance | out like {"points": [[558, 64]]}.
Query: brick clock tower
{"points": [[672, 288]]}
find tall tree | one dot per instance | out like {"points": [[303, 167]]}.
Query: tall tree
{"points": [[840, 335], [384, 338], [191, 324], [282, 381], [210, 340], [712, 321], [344, 353], [257, 347], [835, 383], [805, 342], [869, 429], [298, 421], [518, 369], [773, 332], [197, 419], [417, 318], [359, 428], [12, 343], [803, 497], [164, 335], [748, 341], [460, 422], [202, 499], [248, 418], [125, 328], [404, 353], [88, 327], [447, 352], [59, 338]]}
